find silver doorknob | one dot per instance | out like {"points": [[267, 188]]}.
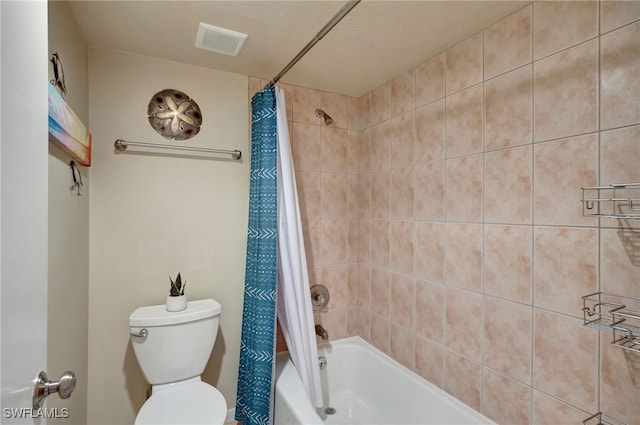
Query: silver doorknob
{"points": [[43, 387]]}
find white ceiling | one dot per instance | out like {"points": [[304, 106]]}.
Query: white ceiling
{"points": [[376, 42]]}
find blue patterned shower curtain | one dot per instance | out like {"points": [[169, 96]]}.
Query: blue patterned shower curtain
{"points": [[257, 346]]}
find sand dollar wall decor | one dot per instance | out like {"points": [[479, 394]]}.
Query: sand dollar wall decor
{"points": [[174, 115]]}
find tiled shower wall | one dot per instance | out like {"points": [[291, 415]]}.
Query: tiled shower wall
{"points": [[442, 211]]}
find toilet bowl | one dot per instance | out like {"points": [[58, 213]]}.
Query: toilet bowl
{"points": [[172, 349]]}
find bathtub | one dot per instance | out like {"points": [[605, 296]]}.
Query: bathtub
{"points": [[365, 386]]}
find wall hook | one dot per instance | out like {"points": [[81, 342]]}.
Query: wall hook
{"points": [[77, 178]]}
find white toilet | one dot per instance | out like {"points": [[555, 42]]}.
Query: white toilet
{"points": [[172, 349]]}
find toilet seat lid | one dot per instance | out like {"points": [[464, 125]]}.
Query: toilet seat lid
{"points": [[184, 403]]}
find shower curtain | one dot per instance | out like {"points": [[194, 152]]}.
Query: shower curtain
{"points": [[257, 345], [295, 313], [274, 220]]}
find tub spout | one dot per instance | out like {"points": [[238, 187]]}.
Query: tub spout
{"points": [[322, 332]]}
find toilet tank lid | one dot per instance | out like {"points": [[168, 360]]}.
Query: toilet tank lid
{"points": [[157, 315]]}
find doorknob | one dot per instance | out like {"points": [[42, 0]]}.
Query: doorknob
{"points": [[43, 387]]}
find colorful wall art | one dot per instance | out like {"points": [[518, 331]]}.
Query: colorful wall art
{"points": [[66, 129]]}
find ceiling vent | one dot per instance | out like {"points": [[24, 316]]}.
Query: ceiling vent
{"points": [[220, 40]]}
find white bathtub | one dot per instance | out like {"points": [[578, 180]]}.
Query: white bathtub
{"points": [[365, 386]]}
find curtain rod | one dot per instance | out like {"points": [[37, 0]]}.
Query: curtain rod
{"points": [[121, 145], [329, 25]]}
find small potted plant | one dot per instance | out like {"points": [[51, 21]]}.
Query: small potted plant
{"points": [[176, 300]]}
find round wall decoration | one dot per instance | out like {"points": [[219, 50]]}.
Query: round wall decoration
{"points": [[174, 115]]}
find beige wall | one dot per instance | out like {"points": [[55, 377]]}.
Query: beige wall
{"points": [[464, 187], [68, 311], [157, 214]]}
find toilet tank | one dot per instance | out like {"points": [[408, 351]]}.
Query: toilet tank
{"points": [[177, 345]]}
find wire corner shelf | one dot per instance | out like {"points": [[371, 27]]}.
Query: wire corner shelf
{"points": [[619, 314], [602, 419], [618, 201]]}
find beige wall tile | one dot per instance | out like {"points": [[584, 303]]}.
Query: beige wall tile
{"points": [[547, 411], [334, 195], [430, 128], [380, 231], [354, 111], [429, 190], [364, 324], [381, 146], [561, 24], [402, 137], [615, 13], [334, 241], [336, 106], [560, 279], [365, 151], [312, 232], [364, 192], [402, 193], [380, 292], [620, 261], [508, 262], [508, 333], [464, 188], [403, 93], [508, 179], [402, 342], [430, 80], [565, 93], [365, 110], [353, 322], [364, 240], [402, 246], [354, 196], [306, 140], [558, 368], [430, 251], [620, 156], [504, 400], [464, 255], [353, 242], [463, 122], [463, 323], [380, 331], [354, 151], [619, 159], [381, 104], [335, 278], [403, 300], [305, 103], [429, 306], [507, 43], [620, 390], [430, 361], [463, 380], [463, 64], [507, 109], [335, 145], [450, 296], [620, 85], [380, 186], [309, 186], [560, 169], [353, 283]]}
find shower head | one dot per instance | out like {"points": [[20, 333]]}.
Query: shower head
{"points": [[322, 114]]}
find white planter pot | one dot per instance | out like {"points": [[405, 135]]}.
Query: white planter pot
{"points": [[176, 303]]}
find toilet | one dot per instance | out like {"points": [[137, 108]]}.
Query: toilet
{"points": [[172, 349]]}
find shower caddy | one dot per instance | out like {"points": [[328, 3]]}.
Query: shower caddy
{"points": [[615, 313]]}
